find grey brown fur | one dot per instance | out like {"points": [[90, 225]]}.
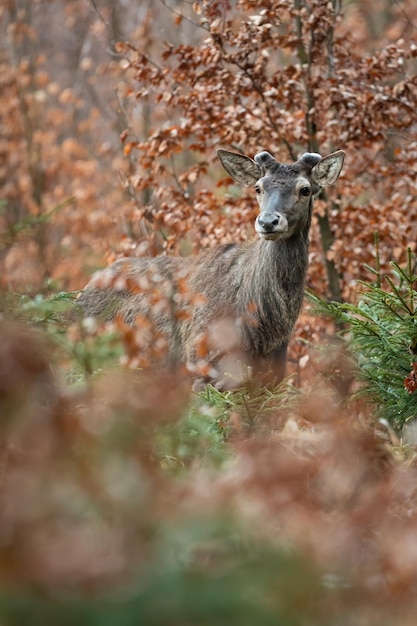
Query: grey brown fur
{"points": [[252, 293]]}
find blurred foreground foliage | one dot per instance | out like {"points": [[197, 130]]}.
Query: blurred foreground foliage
{"points": [[128, 499]]}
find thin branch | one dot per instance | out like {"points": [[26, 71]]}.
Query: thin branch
{"points": [[97, 12], [184, 17]]}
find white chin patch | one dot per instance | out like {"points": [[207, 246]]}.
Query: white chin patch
{"points": [[271, 236]]}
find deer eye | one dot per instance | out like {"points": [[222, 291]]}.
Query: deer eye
{"points": [[257, 189], [305, 191]]}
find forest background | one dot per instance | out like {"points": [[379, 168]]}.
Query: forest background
{"points": [[111, 114]]}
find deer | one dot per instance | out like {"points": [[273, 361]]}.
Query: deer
{"points": [[251, 293]]}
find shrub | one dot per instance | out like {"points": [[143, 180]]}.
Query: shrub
{"points": [[381, 330]]}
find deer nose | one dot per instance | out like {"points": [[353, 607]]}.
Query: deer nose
{"points": [[268, 222], [271, 225]]}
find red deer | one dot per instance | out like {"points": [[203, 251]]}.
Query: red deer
{"points": [[251, 293]]}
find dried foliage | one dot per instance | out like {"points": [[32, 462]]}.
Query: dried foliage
{"points": [[124, 497], [285, 78], [123, 504], [59, 151]]}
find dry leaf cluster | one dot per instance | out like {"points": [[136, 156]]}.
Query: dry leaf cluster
{"points": [[89, 499]]}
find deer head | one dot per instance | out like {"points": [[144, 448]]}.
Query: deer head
{"points": [[284, 192]]}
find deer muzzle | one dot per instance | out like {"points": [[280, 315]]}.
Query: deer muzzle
{"points": [[271, 226]]}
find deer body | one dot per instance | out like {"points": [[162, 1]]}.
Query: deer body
{"points": [[255, 288]]}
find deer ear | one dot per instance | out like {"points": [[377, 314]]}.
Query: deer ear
{"points": [[240, 167], [327, 171]]}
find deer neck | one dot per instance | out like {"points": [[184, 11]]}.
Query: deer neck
{"points": [[277, 283], [285, 260]]}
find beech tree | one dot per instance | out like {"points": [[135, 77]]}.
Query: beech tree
{"points": [[59, 149], [285, 76]]}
